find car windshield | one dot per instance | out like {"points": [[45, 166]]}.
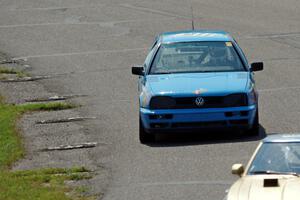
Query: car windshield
{"points": [[276, 158], [185, 57]]}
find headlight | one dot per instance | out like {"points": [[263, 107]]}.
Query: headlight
{"points": [[252, 99], [144, 99], [162, 102], [234, 100]]}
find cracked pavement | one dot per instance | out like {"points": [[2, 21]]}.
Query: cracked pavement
{"points": [[88, 47]]}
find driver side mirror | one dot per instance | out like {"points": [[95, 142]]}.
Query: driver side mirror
{"points": [[237, 169], [257, 66], [137, 70]]}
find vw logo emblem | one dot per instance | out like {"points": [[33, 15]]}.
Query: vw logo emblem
{"points": [[199, 101]]}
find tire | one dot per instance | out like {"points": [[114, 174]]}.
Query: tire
{"points": [[254, 130], [144, 136]]}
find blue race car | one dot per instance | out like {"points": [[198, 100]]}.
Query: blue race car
{"points": [[196, 80]]}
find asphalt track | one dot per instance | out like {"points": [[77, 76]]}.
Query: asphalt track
{"points": [[88, 48]]}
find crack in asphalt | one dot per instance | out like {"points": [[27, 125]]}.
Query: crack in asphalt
{"points": [[80, 53], [175, 183], [55, 98], [25, 79], [58, 7], [272, 35], [284, 42], [9, 62], [280, 59], [65, 120], [296, 39], [41, 77], [99, 23], [85, 71], [154, 11], [71, 147], [278, 89]]}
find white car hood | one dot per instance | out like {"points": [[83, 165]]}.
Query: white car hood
{"points": [[252, 188]]}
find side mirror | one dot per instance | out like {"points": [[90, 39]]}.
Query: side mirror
{"points": [[237, 169], [137, 70], [257, 66]]}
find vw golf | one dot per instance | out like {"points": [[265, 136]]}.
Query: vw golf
{"points": [[198, 79]]}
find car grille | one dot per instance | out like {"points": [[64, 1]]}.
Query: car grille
{"points": [[189, 102], [233, 100]]}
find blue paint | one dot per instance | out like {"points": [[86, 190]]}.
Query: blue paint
{"points": [[185, 84]]}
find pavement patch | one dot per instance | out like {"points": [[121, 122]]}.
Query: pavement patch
{"points": [[65, 120], [54, 98], [24, 79], [70, 147]]}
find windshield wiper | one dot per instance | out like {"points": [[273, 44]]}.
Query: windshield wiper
{"points": [[275, 172]]}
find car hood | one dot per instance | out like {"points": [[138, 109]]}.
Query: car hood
{"points": [[219, 83], [252, 188]]}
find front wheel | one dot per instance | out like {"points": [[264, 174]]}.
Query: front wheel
{"points": [[144, 136], [254, 131]]}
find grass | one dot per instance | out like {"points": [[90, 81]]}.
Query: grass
{"points": [[46, 184], [5, 70], [45, 106], [11, 148]]}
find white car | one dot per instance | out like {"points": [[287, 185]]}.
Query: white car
{"points": [[272, 173]]}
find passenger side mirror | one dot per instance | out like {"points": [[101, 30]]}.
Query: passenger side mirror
{"points": [[237, 169], [257, 66], [137, 70]]}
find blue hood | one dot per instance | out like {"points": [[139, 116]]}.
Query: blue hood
{"points": [[219, 83]]}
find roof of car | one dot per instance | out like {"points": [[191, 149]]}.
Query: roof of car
{"points": [[295, 137], [195, 35]]}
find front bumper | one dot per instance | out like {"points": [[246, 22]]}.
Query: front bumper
{"points": [[189, 119]]}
